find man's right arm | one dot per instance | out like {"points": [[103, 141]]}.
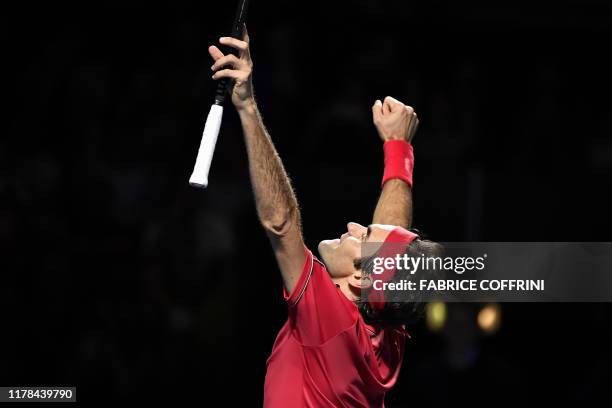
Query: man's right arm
{"points": [[276, 204]]}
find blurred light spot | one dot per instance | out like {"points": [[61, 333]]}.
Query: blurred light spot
{"points": [[435, 315], [489, 318]]}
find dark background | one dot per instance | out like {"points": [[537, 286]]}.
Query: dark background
{"points": [[121, 279]]}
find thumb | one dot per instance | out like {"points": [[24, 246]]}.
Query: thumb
{"points": [[377, 111]]}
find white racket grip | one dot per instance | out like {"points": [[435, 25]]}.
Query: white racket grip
{"points": [[199, 177]]}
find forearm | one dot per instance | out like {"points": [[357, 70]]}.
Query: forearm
{"points": [[275, 200], [394, 206]]}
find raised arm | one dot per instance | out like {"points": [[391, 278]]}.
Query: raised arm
{"points": [[276, 204], [394, 121]]}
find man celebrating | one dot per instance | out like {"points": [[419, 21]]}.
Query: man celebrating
{"points": [[338, 347]]}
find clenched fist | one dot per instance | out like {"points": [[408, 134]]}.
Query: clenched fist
{"points": [[394, 120]]}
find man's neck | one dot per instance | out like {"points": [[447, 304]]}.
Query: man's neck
{"points": [[348, 291]]}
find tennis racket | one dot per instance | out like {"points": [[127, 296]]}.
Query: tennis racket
{"points": [[199, 177]]}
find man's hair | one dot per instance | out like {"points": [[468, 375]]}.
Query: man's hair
{"points": [[401, 306]]}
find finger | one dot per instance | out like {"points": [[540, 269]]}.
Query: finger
{"points": [[410, 110], [414, 124], [386, 107], [393, 105], [377, 112], [228, 60], [230, 73], [241, 46], [413, 119], [215, 52]]}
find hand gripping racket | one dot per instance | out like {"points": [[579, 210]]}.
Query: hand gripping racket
{"points": [[199, 177]]}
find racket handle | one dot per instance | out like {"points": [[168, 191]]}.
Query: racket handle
{"points": [[199, 177], [224, 87]]}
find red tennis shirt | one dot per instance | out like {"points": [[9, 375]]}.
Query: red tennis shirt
{"points": [[326, 355]]}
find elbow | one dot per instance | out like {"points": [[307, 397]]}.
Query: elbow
{"points": [[280, 224]]}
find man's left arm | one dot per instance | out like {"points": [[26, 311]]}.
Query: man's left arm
{"points": [[394, 121], [394, 205]]}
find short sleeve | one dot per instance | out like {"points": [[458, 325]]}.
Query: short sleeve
{"points": [[318, 310], [297, 292]]}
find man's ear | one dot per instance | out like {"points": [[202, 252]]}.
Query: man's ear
{"points": [[359, 281]]}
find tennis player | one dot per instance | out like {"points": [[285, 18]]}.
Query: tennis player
{"points": [[337, 348]]}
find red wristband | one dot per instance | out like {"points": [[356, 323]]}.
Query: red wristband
{"points": [[399, 161]]}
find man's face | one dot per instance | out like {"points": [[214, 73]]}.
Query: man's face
{"points": [[339, 254]]}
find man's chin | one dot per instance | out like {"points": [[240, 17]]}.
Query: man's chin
{"points": [[329, 243]]}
